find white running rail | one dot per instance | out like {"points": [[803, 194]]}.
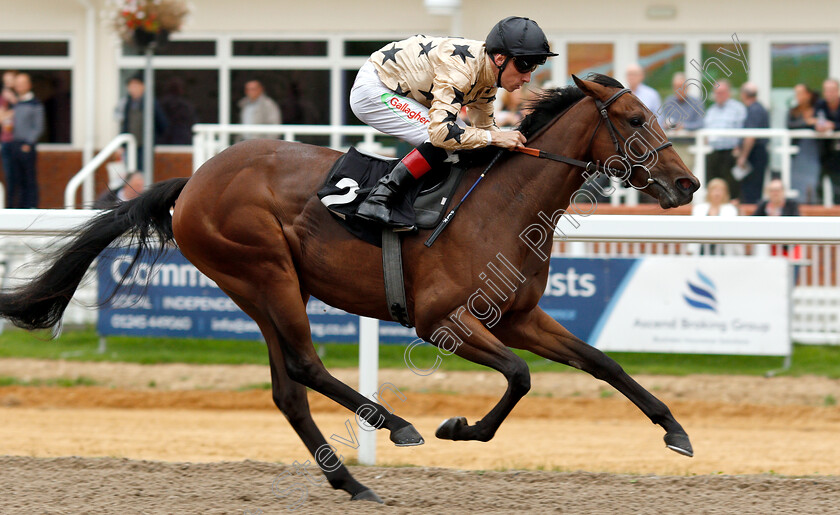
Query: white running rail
{"points": [[84, 177], [210, 139]]}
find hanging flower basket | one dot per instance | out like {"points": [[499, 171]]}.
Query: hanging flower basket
{"points": [[142, 23]]}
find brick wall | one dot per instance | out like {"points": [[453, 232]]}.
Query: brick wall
{"points": [[56, 168]]}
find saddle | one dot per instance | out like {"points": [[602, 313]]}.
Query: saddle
{"points": [[348, 183], [355, 174]]}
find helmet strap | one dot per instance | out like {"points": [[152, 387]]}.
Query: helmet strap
{"points": [[501, 70]]}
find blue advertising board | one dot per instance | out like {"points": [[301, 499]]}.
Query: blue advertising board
{"points": [[172, 298]]}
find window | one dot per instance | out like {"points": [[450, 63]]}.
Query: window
{"points": [[363, 48], [178, 47], [794, 63], [280, 48], [348, 76], [49, 63], [34, 48], [186, 97], [303, 95], [208, 76], [585, 58], [660, 62], [719, 66]]}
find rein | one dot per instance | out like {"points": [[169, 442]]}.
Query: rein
{"points": [[591, 166]]}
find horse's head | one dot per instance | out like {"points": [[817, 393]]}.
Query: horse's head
{"points": [[629, 140]]}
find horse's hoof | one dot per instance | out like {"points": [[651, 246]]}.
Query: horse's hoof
{"points": [[449, 428], [367, 495], [406, 437], [679, 443]]}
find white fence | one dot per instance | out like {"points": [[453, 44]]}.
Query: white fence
{"points": [[84, 177], [816, 314], [780, 144], [210, 139], [25, 236]]}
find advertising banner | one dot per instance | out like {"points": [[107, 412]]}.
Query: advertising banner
{"points": [[733, 305], [651, 304]]}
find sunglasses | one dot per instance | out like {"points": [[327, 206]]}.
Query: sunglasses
{"points": [[527, 64]]}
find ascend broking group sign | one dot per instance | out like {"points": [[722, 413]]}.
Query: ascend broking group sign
{"points": [[654, 304], [737, 305]]}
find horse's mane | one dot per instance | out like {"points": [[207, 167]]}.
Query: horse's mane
{"points": [[552, 102], [544, 107]]}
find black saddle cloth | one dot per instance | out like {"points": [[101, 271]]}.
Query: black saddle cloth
{"points": [[355, 174]]}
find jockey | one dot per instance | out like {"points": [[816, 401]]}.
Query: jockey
{"points": [[414, 89]]}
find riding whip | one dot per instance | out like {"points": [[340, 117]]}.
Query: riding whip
{"points": [[443, 223]]}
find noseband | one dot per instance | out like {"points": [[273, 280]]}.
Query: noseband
{"points": [[591, 166]]}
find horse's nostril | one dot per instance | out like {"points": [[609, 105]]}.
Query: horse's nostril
{"points": [[685, 184]]}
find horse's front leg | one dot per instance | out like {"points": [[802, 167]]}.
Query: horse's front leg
{"points": [[537, 332], [469, 339]]}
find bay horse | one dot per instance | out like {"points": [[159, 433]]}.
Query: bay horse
{"points": [[250, 220]]}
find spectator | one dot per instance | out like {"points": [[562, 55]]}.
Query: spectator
{"points": [[827, 113], [131, 187], [8, 99], [725, 113], [256, 108], [806, 162], [680, 110], [180, 115], [717, 204], [752, 152], [717, 201], [130, 115], [28, 127], [777, 204], [648, 96]]}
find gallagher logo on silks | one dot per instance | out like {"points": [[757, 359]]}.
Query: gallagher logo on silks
{"points": [[404, 109], [701, 294]]}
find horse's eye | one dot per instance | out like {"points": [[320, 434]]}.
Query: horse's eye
{"points": [[636, 121]]}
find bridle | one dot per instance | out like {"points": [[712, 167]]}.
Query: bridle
{"points": [[592, 166]]}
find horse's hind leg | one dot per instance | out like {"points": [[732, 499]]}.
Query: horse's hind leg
{"points": [[484, 348], [303, 365], [537, 332], [262, 276], [290, 399]]}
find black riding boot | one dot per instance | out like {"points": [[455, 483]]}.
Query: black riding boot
{"points": [[377, 206]]}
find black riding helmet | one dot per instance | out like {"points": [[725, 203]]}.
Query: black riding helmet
{"points": [[520, 39]]}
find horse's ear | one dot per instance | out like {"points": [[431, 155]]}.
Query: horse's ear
{"points": [[589, 88]]}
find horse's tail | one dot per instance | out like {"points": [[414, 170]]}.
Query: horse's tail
{"points": [[40, 303]]}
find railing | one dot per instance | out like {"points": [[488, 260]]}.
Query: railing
{"points": [[84, 177], [785, 149], [209, 140], [24, 233]]}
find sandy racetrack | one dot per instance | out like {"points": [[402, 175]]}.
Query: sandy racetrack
{"points": [[778, 426], [84, 485]]}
